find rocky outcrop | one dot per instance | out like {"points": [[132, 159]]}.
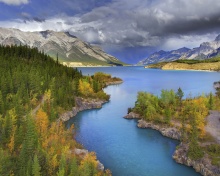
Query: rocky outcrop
{"points": [[170, 132], [132, 115], [82, 104], [83, 153], [202, 165], [113, 83]]}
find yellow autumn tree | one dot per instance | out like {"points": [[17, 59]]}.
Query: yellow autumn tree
{"points": [[201, 112], [11, 144], [85, 88], [42, 123], [89, 164]]}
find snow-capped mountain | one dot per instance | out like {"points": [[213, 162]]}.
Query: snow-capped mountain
{"points": [[204, 51], [68, 47]]}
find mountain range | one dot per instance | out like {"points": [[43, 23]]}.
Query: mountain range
{"points": [[70, 49], [206, 50]]}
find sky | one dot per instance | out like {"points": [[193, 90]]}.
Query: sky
{"points": [[127, 29]]}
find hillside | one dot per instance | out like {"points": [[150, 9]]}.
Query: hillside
{"points": [[34, 91], [69, 48], [205, 51]]}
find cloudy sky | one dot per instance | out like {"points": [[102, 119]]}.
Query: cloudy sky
{"points": [[127, 29]]}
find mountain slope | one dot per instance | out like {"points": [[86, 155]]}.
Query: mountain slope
{"points": [[204, 51], [68, 47], [161, 56]]}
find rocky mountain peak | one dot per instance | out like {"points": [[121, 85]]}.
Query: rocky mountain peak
{"points": [[69, 48], [46, 33], [204, 51], [70, 35]]}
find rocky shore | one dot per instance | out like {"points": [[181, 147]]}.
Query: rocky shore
{"points": [[82, 104], [202, 165], [83, 152], [114, 83]]}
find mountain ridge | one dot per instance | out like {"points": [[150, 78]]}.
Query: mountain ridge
{"points": [[68, 47], [206, 50]]}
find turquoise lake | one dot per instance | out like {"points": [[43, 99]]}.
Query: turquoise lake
{"points": [[122, 147]]}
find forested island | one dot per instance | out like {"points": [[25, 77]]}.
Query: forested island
{"points": [[185, 120], [35, 91]]}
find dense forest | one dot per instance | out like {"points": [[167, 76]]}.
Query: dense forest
{"points": [[34, 91], [188, 115]]}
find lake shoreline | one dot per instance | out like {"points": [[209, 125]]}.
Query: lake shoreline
{"points": [[202, 165], [208, 67], [83, 104]]}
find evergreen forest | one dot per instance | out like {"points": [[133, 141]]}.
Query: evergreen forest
{"points": [[34, 91]]}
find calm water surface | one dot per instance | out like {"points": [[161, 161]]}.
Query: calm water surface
{"points": [[122, 147]]}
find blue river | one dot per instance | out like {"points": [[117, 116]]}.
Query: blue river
{"points": [[119, 144]]}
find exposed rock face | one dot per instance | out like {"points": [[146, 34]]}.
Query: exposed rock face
{"points": [[82, 104], [132, 115], [168, 132], [203, 165], [69, 48]]}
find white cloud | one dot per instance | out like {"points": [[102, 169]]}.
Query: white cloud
{"points": [[15, 2]]}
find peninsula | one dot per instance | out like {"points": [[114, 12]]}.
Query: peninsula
{"points": [[192, 121]]}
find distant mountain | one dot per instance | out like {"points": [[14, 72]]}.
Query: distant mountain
{"points": [[204, 51], [69, 48], [162, 56]]}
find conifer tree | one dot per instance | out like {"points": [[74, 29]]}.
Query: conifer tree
{"points": [[36, 167], [211, 101], [74, 168]]}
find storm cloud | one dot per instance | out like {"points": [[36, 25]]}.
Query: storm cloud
{"points": [[154, 24]]}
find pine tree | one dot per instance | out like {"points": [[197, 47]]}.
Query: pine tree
{"points": [[57, 59], [61, 171], [179, 95], [36, 167], [211, 101], [74, 168], [2, 107], [31, 137]]}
